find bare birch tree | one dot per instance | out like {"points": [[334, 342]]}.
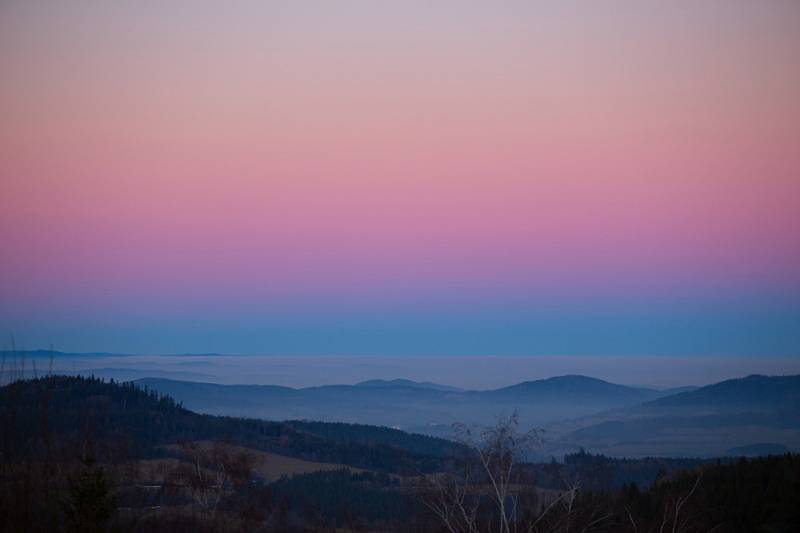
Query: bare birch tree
{"points": [[486, 479]]}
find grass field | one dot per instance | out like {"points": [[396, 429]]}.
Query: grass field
{"points": [[266, 465]]}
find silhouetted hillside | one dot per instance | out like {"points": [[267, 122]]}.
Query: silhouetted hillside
{"points": [[575, 388], [752, 392], [57, 414], [371, 435]]}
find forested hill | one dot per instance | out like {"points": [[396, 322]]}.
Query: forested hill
{"points": [[57, 416], [753, 392], [369, 435]]}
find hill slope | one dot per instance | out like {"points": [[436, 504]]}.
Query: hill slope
{"points": [[755, 392], [58, 415], [576, 388], [418, 407], [730, 416]]}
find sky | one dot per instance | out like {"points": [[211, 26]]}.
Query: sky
{"points": [[426, 178]]}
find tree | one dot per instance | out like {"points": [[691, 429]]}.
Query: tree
{"points": [[90, 503], [484, 492], [212, 469]]}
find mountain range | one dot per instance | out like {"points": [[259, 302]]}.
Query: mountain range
{"points": [[574, 411], [750, 413], [151, 446], [408, 405]]}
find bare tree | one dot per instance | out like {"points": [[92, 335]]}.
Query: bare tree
{"points": [[483, 493], [671, 519], [209, 471], [453, 499]]}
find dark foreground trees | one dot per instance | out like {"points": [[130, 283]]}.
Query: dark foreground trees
{"points": [[491, 491], [89, 505], [83, 455]]}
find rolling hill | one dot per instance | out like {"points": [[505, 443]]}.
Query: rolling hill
{"points": [[755, 392], [59, 415], [390, 383], [575, 388], [403, 404], [732, 416]]}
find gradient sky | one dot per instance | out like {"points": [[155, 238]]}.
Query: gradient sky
{"points": [[610, 177]]}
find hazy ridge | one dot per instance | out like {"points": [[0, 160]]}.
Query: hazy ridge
{"points": [[575, 411]]}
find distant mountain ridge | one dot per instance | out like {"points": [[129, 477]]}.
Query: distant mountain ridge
{"points": [[422, 407], [55, 353], [752, 391], [735, 416], [407, 383], [757, 449], [578, 388], [577, 411], [19, 354]]}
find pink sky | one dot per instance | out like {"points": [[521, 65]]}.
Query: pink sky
{"points": [[209, 160]]}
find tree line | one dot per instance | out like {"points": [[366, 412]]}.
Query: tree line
{"points": [[83, 454]]}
